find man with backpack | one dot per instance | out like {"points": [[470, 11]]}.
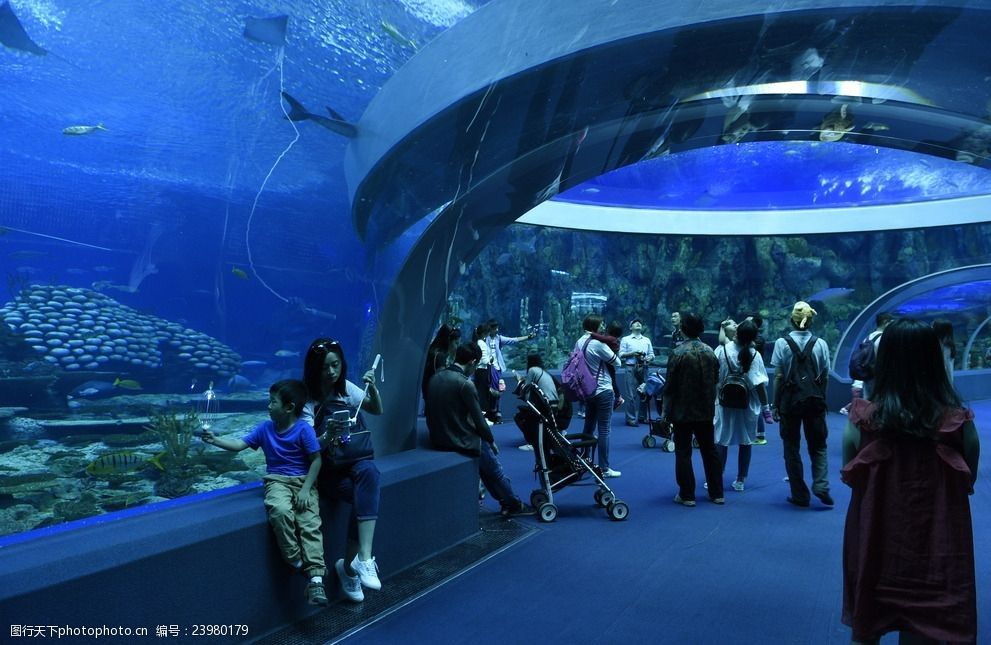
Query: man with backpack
{"points": [[862, 360], [801, 365]]}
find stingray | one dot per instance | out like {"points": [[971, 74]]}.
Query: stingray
{"points": [[334, 123], [12, 33], [267, 30]]}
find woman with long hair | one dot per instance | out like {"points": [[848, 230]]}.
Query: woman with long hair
{"points": [[911, 455], [349, 472], [738, 426]]}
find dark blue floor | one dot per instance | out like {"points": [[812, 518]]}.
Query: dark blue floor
{"points": [[756, 570]]}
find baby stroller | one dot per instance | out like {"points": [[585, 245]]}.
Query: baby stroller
{"points": [[561, 460], [658, 432]]}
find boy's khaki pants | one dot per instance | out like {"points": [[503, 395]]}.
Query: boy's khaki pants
{"points": [[297, 532]]}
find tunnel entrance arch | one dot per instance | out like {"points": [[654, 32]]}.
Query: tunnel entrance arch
{"points": [[507, 108]]}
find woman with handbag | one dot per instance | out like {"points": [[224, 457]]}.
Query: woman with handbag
{"points": [[349, 472]]}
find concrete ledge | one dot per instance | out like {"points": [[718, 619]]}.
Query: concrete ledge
{"points": [[211, 559]]}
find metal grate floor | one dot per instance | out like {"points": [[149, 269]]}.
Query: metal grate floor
{"points": [[341, 619]]}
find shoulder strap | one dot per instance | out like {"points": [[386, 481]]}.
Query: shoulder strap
{"points": [[793, 345], [585, 356]]}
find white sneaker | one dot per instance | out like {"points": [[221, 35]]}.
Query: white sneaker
{"points": [[609, 472], [526, 446], [738, 486], [351, 585], [368, 572]]}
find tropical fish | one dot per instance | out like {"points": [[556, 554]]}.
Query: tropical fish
{"points": [[393, 32], [76, 130], [334, 123], [836, 124], [285, 353], [119, 462], [127, 384], [253, 363], [267, 30], [877, 127], [93, 389], [13, 35], [240, 273]]}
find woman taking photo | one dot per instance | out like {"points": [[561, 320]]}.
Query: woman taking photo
{"points": [[348, 472], [911, 455]]}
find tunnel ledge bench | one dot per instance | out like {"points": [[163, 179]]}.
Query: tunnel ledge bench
{"points": [[211, 558]]}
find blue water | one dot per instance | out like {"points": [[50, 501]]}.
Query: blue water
{"points": [[782, 175]]}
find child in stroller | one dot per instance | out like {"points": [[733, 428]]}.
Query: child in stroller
{"points": [[561, 460], [658, 431]]}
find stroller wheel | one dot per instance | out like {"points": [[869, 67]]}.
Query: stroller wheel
{"points": [[618, 510], [668, 446], [606, 498], [649, 441], [538, 498], [547, 512]]}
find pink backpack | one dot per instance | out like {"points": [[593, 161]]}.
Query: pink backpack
{"points": [[578, 381]]}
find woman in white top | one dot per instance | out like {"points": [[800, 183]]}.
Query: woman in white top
{"points": [[599, 406], [348, 472], [738, 426]]}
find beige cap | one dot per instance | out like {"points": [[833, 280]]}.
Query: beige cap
{"points": [[802, 314]]}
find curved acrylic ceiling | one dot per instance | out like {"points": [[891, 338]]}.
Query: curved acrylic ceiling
{"points": [[519, 120]]}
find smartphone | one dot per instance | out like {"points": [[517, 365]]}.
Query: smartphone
{"points": [[342, 416]]}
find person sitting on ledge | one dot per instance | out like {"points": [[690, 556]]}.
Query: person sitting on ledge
{"points": [[292, 461], [456, 424]]}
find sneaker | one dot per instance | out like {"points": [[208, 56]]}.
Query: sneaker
{"points": [[719, 500], [761, 440], [738, 486], [797, 502], [632, 424], [368, 572], [350, 585], [684, 502], [609, 472], [315, 594], [526, 446], [825, 498], [522, 509]]}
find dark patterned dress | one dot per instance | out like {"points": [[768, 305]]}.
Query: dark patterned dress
{"points": [[908, 546]]}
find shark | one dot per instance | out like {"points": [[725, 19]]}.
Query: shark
{"points": [[334, 123]]}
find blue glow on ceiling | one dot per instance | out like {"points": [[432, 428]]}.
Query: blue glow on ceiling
{"points": [[782, 175], [950, 299]]}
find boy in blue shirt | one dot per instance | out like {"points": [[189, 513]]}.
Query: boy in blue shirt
{"points": [[292, 461]]}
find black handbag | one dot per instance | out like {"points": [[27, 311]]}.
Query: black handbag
{"points": [[346, 446]]}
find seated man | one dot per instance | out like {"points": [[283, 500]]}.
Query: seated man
{"points": [[456, 424]]}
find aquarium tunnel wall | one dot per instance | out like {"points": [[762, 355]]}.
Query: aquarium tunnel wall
{"points": [[191, 196]]}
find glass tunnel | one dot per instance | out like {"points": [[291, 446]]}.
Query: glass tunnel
{"points": [[192, 193]]}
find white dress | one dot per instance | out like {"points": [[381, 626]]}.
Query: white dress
{"points": [[739, 426]]}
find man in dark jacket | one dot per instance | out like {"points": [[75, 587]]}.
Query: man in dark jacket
{"points": [[456, 423], [690, 406]]}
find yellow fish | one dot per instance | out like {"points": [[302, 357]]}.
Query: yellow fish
{"points": [[122, 462], [239, 273], [76, 130], [114, 463], [393, 32], [127, 384]]}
